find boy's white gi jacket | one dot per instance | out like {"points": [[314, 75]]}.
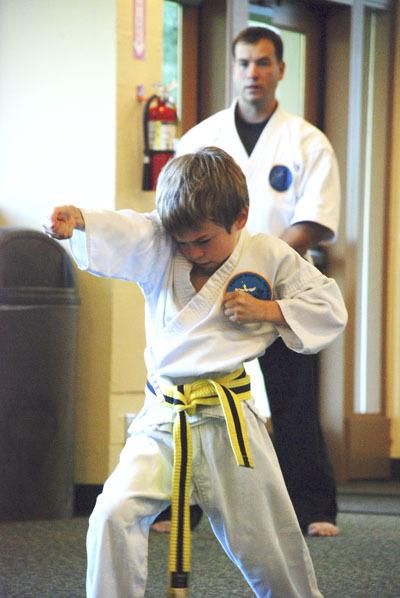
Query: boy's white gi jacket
{"points": [[292, 173], [188, 336]]}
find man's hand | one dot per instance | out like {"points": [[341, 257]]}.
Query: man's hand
{"points": [[304, 235], [240, 306], [63, 221]]}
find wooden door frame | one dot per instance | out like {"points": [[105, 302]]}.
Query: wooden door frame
{"points": [[359, 442]]}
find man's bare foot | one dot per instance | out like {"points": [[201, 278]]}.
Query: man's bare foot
{"points": [[322, 528], [162, 527]]}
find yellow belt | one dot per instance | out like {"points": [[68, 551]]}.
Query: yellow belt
{"points": [[228, 392]]}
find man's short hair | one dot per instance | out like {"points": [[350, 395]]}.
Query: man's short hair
{"points": [[252, 35], [203, 186]]}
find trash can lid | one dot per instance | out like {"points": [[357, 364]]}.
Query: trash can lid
{"points": [[31, 296], [29, 258]]}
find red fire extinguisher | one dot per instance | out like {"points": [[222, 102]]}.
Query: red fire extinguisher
{"points": [[159, 132]]}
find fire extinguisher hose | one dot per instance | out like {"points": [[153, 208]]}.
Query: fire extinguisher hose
{"points": [[146, 180]]}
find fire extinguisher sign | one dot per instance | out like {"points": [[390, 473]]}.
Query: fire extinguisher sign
{"points": [[139, 29]]}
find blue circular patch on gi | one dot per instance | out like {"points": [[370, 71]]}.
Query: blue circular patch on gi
{"points": [[251, 283], [280, 177]]}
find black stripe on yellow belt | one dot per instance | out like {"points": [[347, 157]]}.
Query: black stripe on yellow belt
{"points": [[228, 392]]}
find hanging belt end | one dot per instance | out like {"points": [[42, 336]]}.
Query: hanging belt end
{"points": [[179, 585], [178, 593]]}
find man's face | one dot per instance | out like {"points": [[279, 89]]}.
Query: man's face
{"points": [[209, 245], [257, 72]]}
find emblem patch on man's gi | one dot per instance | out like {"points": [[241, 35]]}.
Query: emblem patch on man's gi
{"points": [[250, 282], [280, 177]]}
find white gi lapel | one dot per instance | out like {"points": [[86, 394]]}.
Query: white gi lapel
{"points": [[198, 305]]}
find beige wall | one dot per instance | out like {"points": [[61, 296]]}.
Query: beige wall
{"points": [[71, 132], [393, 263], [127, 367]]}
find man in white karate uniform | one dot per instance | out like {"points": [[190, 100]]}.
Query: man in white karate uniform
{"points": [[294, 189]]}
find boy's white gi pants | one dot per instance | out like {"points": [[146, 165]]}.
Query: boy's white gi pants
{"points": [[249, 511]]}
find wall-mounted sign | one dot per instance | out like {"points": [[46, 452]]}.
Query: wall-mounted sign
{"points": [[139, 29]]}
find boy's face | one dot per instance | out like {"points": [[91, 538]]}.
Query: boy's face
{"points": [[210, 245]]}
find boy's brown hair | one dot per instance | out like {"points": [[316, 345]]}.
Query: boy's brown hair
{"points": [[204, 186]]}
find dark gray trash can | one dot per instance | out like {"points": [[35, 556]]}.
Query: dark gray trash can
{"points": [[39, 309]]}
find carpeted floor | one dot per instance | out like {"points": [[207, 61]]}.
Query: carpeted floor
{"points": [[370, 496], [47, 560]]}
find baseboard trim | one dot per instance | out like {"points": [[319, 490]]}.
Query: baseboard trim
{"points": [[368, 446], [395, 469], [85, 494], [85, 498]]}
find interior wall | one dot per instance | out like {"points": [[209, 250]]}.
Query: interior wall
{"points": [[57, 145], [71, 132], [128, 373], [335, 375], [392, 387], [213, 43], [358, 437], [57, 105]]}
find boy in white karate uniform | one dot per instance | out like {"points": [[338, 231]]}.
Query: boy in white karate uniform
{"points": [[216, 297]]}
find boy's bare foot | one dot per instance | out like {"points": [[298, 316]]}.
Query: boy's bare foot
{"points": [[322, 528], [162, 527]]}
